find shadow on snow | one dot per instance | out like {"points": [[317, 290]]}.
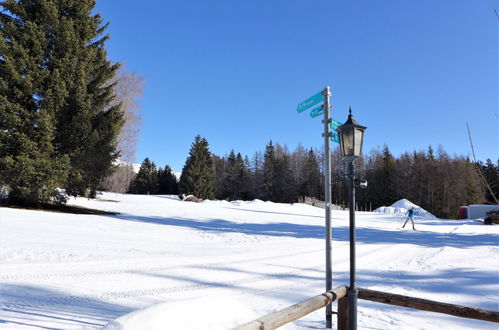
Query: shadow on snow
{"points": [[364, 235], [27, 305]]}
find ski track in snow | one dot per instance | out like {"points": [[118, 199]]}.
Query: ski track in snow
{"points": [[173, 256]]}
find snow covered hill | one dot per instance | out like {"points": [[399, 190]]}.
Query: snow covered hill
{"points": [[400, 207], [215, 264]]}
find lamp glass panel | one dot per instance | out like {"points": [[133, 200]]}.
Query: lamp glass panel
{"points": [[359, 135], [348, 141]]}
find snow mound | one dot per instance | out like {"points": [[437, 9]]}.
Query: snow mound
{"points": [[401, 206], [210, 313]]}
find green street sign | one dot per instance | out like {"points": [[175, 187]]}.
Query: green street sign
{"points": [[334, 124], [313, 100], [335, 137], [316, 112]]}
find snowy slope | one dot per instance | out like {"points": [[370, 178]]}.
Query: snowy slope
{"points": [[400, 207], [187, 263]]}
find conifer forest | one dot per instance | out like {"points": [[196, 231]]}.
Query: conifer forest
{"points": [[436, 181]]}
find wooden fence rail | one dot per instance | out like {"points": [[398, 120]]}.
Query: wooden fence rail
{"points": [[289, 314], [429, 305]]}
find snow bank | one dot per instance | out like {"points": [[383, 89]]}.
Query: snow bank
{"points": [[206, 313], [400, 207]]}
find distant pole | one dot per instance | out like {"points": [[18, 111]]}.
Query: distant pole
{"points": [[327, 179]]}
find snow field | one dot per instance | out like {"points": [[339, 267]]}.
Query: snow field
{"points": [[216, 264]]}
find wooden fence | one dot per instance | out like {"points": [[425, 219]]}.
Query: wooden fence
{"points": [[289, 314]]}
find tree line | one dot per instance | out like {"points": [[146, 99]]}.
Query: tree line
{"points": [[436, 181]]}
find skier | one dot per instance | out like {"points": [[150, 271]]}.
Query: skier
{"points": [[410, 215]]}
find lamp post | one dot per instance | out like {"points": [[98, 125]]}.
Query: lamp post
{"points": [[351, 136]]}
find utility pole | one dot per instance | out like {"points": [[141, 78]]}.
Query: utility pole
{"points": [[326, 92]]}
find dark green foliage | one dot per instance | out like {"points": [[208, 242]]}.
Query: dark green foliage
{"points": [[235, 182], [439, 184], [198, 175], [167, 181], [147, 180], [491, 174], [310, 185], [56, 126], [269, 190]]}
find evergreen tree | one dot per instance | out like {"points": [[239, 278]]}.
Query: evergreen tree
{"points": [[491, 174], [236, 182], [386, 177], [56, 125], [220, 172], [285, 189], [256, 175], [311, 176], [269, 173], [147, 180], [167, 181], [29, 162], [198, 176]]}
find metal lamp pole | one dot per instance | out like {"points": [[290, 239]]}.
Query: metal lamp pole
{"points": [[351, 139], [352, 292]]}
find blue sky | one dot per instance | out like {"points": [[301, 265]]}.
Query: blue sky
{"points": [[234, 71]]}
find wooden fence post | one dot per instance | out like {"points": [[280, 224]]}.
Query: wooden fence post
{"points": [[343, 314]]}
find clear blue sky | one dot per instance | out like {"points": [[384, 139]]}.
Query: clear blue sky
{"points": [[234, 72]]}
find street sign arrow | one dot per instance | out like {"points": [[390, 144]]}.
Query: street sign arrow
{"points": [[316, 112], [313, 100]]}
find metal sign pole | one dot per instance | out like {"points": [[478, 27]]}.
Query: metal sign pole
{"points": [[326, 92]]}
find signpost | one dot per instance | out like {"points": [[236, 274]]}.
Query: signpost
{"points": [[334, 135], [328, 125], [312, 100]]}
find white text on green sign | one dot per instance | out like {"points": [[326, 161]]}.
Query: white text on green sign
{"points": [[335, 137], [313, 100], [316, 112], [334, 124]]}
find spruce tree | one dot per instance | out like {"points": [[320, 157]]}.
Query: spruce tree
{"points": [[198, 176], [55, 99], [147, 180], [30, 164], [491, 174], [87, 126], [167, 181], [269, 173], [311, 176]]}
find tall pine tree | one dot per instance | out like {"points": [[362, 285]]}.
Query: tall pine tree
{"points": [[167, 181], [29, 163], [198, 176], [147, 180], [269, 173], [54, 99]]}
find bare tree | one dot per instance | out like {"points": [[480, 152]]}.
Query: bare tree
{"points": [[479, 168], [128, 88]]}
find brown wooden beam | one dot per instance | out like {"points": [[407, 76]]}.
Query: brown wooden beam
{"points": [[429, 305], [289, 314]]}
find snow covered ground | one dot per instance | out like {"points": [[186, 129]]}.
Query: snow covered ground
{"points": [[215, 264]]}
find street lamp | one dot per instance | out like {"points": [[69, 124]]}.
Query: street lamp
{"points": [[351, 136]]}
